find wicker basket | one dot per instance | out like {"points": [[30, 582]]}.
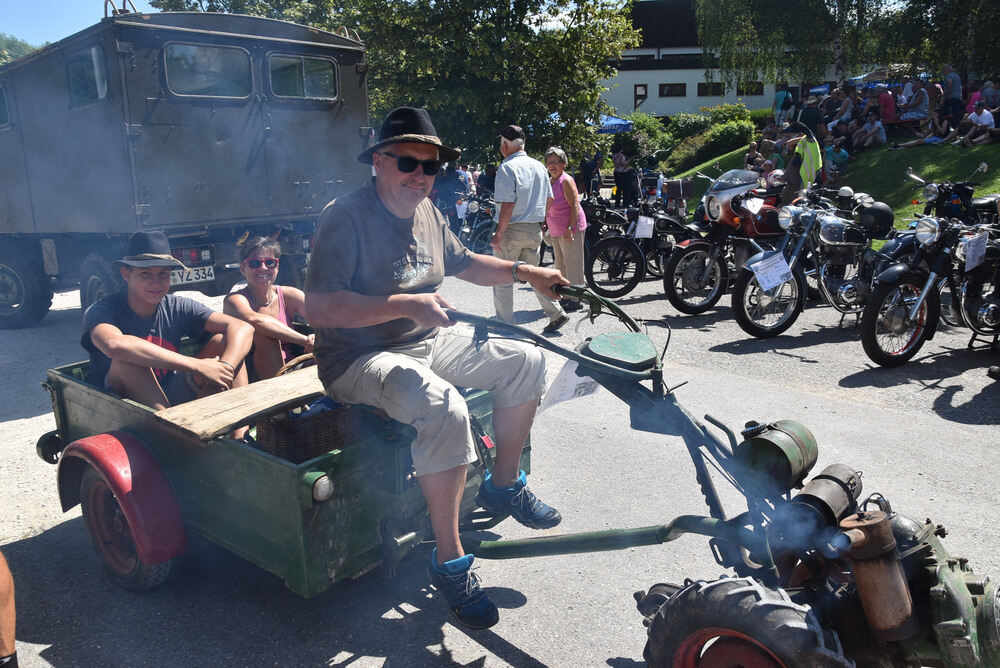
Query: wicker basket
{"points": [[298, 439]]}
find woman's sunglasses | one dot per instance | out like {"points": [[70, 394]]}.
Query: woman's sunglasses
{"points": [[270, 263], [406, 164]]}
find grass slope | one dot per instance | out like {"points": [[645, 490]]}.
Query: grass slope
{"points": [[882, 173]]}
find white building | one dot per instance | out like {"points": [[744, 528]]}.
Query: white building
{"points": [[665, 74]]}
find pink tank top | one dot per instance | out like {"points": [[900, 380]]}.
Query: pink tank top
{"points": [[286, 348], [558, 215]]}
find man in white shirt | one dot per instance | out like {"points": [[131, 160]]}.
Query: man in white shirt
{"points": [[982, 123]]}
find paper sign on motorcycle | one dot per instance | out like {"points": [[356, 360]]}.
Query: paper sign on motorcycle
{"points": [[772, 272], [644, 227], [975, 250]]}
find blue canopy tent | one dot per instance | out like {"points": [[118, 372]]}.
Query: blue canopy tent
{"points": [[822, 89], [613, 125]]}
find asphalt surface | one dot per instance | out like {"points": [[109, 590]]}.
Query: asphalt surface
{"points": [[925, 435]]}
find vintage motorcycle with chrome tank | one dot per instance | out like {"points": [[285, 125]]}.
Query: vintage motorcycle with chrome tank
{"points": [[738, 220], [836, 236]]}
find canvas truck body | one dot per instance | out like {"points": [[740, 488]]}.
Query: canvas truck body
{"points": [[210, 127]]}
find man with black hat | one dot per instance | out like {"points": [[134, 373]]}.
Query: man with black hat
{"points": [[134, 336], [522, 194], [383, 338]]}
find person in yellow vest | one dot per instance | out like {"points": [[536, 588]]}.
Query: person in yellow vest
{"points": [[806, 163]]}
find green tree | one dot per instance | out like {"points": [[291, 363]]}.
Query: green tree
{"points": [[476, 65], [761, 40], [12, 47]]}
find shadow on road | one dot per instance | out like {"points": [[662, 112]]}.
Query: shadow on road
{"points": [[216, 609]]}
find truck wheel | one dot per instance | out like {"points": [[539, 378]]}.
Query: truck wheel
{"points": [[97, 280], [111, 535], [25, 290], [739, 622]]}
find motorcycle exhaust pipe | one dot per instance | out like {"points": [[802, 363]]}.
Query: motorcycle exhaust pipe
{"points": [[878, 575]]}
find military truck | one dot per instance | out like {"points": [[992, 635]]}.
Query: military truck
{"points": [[210, 127]]}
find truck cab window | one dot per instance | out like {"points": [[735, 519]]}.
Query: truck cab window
{"points": [[88, 78], [299, 76], [207, 71], [4, 114]]}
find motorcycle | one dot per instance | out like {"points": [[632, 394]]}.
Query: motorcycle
{"points": [[617, 264], [770, 291], [478, 224], [953, 276], [824, 577], [734, 219]]}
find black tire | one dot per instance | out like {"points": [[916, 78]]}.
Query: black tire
{"points": [[949, 315], [615, 267], [682, 282], [772, 315], [25, 290], [480, 241], [97, 280], [888, 338], [749, 623], [112, 536]]}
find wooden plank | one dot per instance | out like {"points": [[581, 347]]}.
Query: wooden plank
{"points": [[217, 414]]}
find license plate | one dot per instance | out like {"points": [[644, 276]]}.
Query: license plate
{"points": [[195, 275]]}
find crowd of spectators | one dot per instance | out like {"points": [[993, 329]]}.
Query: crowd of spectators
{"points": [[850, 120]]}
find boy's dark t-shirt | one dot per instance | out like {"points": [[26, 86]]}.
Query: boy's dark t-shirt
{"points": [[175, 318]]}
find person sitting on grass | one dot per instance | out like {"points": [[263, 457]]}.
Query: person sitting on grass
{"points": [[870, 135], [134, 335], [937, 132], [982, 123], [270, 308]]}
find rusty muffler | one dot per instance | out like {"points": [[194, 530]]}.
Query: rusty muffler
{"points": [[878, 574]]}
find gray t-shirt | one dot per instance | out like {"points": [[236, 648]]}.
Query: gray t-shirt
{"points": [[953, 86], [363, 247], [175, 317]]}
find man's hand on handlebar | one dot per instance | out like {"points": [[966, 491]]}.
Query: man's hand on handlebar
{"points": [[543, 279], [427, 310]]}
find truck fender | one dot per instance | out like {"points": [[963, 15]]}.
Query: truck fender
{"points": [[140, 488]]}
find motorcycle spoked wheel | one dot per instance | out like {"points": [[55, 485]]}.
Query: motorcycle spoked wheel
{"points": [[765, 314], [683, 284], [480, 242], [888, 337], [616, 266], [739, 622], [949, 315]]}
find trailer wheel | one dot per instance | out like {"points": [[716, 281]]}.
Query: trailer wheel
{"points": [[97, 280], [25, 290], [739, 622], [111, 535]]}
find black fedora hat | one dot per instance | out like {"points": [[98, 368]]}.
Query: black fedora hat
{"points": [[409, 125], [149, 249]]}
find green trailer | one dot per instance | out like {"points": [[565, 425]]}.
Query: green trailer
{"points": [[334, 497]]}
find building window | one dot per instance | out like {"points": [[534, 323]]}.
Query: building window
{"points": [[713, 89], [673, 90], [748, 88], [4, 115], [88, 78], [299, 76], [207, 71]]}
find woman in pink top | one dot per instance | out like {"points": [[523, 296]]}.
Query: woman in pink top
{"points": [[268, 307], [887, 105], [565, 221]]}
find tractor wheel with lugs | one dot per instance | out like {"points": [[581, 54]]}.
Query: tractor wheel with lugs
{"points": [[739, 622]]}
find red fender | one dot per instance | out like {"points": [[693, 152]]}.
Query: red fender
{"points": [[692, 242], [139, 485]]}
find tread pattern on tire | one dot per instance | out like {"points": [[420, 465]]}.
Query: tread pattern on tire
{"points": [[789, 630]]}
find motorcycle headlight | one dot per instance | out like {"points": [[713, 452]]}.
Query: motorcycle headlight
{"points": [[713, 208], [928, 230], [787, 216], [930, 192], [473, 207]]}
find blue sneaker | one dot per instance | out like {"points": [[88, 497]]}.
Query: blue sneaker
{"points": [[455, 579], [519, 502]]}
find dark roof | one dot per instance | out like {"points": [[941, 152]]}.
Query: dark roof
{"points": [[665, 23]]}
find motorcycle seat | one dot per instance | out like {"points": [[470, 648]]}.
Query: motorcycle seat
{"points": [[628, 350], [989, 202]]}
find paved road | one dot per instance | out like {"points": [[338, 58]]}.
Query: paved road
{"points": [[925, 435]]}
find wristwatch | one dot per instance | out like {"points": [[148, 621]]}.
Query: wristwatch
{"points": [[513, 271]]}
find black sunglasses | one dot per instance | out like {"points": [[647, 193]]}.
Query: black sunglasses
{"points": [[270, 263], [406, 164]]}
